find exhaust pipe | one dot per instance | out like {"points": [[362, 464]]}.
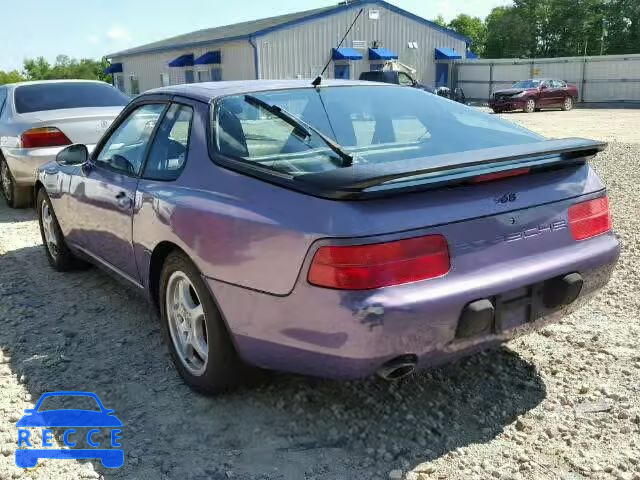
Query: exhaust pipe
{"points": [[398, 367]]}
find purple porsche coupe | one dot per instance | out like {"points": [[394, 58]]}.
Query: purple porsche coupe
{"points": [[337, 230]]}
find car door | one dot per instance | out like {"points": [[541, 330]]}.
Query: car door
{"points": [[103, 195], [546, 94], [560, 91]]}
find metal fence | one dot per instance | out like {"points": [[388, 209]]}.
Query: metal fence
{"points": [[611, 78]]}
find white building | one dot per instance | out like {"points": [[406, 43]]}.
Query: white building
{"points": [[296, 45]]}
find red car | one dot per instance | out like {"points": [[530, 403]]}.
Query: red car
{"points": [[532, 95]]}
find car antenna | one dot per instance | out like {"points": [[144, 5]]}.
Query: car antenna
{"points": [[318, 80]]}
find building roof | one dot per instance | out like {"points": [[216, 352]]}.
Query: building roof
{"points": [[255, 28]]}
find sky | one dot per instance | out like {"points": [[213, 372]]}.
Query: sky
{"points": [[94, 28]]}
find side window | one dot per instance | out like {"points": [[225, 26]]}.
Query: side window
{"points": [[3, 99], [547, 84], [124, 150], [404, 79], [168, 152]]}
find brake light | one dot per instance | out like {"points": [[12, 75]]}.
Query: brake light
{"points": [[43, 137], [489, 177], [590, 218], [363, 267]]}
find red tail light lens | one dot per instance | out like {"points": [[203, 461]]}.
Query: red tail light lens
{"points": [[591, 218], [363, 267], [44, 137]]}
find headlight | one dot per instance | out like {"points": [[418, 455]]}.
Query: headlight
{"points": [[521, 94]]}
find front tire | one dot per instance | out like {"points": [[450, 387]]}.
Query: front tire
{"points": [[56, 250], [567, 104], [200, 345], [15, 196], [530, 106]]}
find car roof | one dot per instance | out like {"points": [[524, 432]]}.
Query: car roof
{"points": [[45, 82], [208, 91]]}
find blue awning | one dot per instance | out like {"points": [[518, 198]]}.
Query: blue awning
{"points": [[113, 68], [471, 55], [346, 54], [447, 54], [382, 54], [182, 61], [209, 58]]}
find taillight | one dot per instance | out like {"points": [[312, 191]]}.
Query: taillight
{"points": [[590, 218], [43, 137], [362, 267], [490, 177]]}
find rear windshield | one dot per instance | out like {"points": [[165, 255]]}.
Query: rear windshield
{"points": [[56, 96], [373, 124]]}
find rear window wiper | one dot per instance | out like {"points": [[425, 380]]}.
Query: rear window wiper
{"points": [[300, 128]]}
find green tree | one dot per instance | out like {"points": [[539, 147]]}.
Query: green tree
{"points": [[472, 27], [13, 76], [439, 20], [509, 35], [66, 67]]}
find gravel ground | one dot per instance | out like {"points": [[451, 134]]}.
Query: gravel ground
{"points": [[524, 411]]}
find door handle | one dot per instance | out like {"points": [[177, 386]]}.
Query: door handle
{"points": [[123, 200]]}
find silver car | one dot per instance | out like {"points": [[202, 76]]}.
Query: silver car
{"points": [[38, 119]]}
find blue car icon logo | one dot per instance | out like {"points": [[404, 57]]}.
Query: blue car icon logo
{"points": [[68, 418]]}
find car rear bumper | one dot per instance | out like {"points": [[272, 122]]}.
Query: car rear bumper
{"points": [[340, 334], [511, 104], [24, 162]]}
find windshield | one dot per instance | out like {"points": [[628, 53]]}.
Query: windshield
{"points": [[56, 96], [527, 84], [374, 124]]}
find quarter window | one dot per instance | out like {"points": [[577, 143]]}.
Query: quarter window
{"points": [[168, 153], [124, 150]]}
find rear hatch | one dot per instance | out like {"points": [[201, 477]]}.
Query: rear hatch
{"points": [[80, 125]]}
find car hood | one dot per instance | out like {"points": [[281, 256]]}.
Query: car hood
{"points": [[69, 418], [514, 91]]}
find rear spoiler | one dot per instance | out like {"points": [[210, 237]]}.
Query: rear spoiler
{"points": [[360, 180]]}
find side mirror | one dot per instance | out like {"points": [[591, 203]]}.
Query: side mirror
{"points": [[30, 410], [75, 154], [543, 87]]}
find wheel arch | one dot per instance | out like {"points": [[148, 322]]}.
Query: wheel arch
{"points": [[158, 256]]}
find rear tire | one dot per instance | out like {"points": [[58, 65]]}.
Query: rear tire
{"points": [[530, 106], [200, 344], [56, 250], [15, 196], [497, 110], [567, 104]]}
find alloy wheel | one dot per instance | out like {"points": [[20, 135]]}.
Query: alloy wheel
{"points": [[48, 229], [187, 324], [7, 187], [530, 106], [568, 103]]}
